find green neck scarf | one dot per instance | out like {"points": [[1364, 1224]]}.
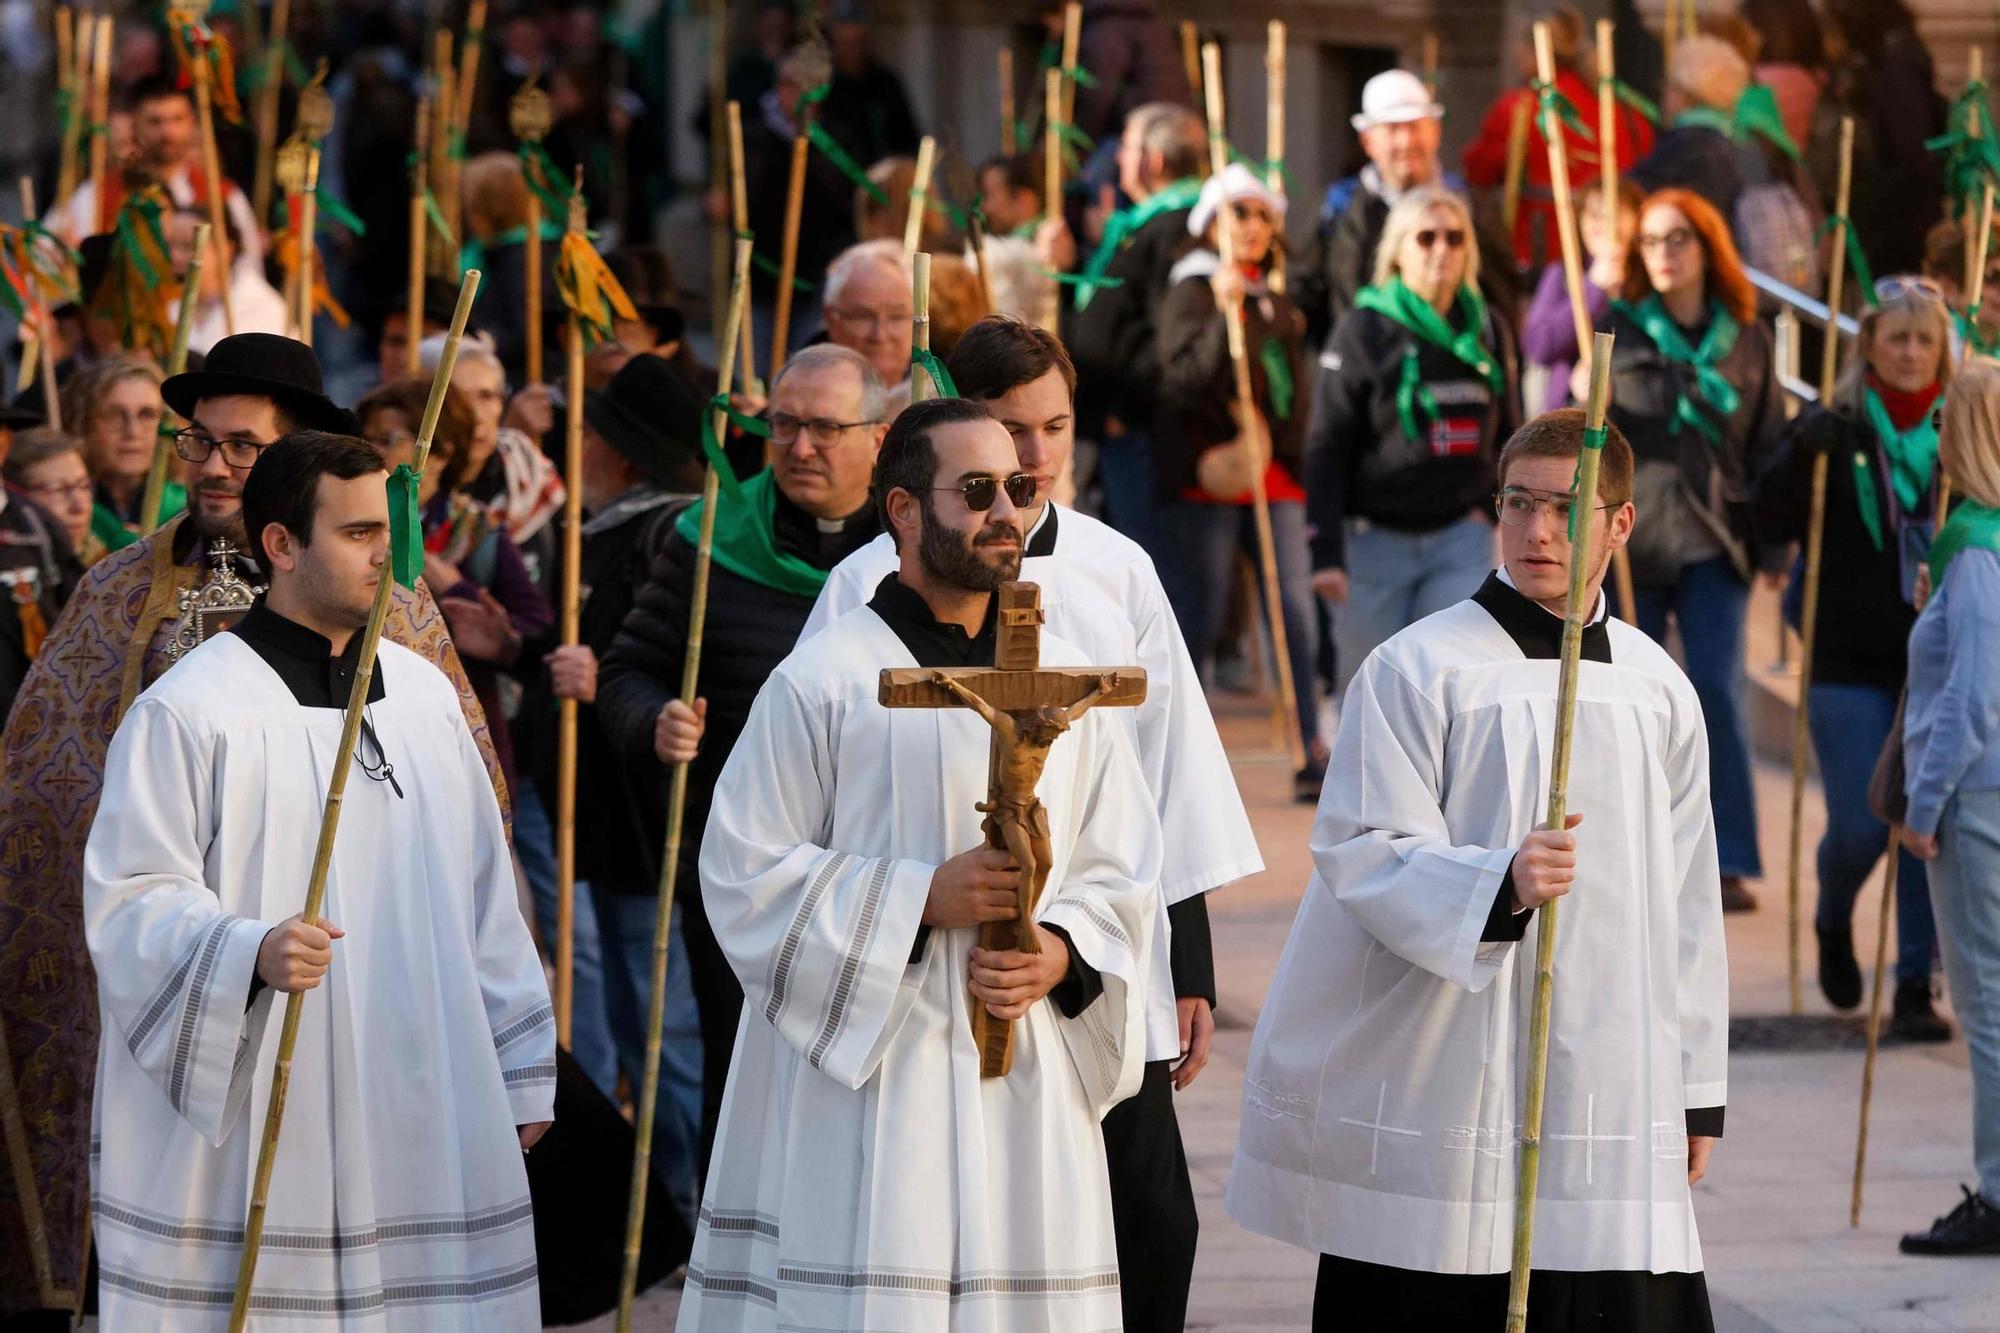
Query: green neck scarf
{"points": [[1711, 390], [1756, 112], [1124, 224], [745, 539], [1912, 458], [1397, 302], [1971, 525]]}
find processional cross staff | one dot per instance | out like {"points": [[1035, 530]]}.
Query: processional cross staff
{"points": [[1029, 707]]}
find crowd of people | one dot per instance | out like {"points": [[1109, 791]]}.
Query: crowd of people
{"points": [[1401, 364]]}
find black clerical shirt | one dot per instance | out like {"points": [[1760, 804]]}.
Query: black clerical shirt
{"points": [[934, 644], [304, 659]]}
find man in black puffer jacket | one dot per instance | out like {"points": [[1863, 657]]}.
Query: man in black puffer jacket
{"points": [[774, 544]]}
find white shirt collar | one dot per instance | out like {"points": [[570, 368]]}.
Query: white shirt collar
{"points": [[1603, 606]]}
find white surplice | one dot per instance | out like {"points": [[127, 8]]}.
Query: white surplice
{"points": [[1385, 1079], [1101, 593], [865, 1175], [399, 1200]]}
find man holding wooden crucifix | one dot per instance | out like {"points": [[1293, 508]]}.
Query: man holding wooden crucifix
{"points": [[872, 1171]]}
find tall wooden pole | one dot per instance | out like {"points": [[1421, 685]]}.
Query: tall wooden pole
{"points": [[572, 621], [163, 443], [100, 120], [267, 108], [1518, 123], [739, 212], [920, 196], [329, 825], [73, 92], [445, 155], [788, 252], [1285, 713], [1052, 142], [1274, 129], [308, 248], [649, 1087], [1889, 873], [1974, 71], [1575, 614], [211, 165], [530, 116], [420, 226], [1191, 55], [922, 386], [1009, 144], [1607, 124], [46, 344], [468, 71], [1829, 369], [1072, 42], [1430, 58]]}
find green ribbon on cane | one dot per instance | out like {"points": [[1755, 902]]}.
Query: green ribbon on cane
{"points": [[406, 529], [545, 179], [1593, 439], [769, 267], [1971, 147], [925, 358], [1855, 259], [1554, 99], [843, 160], [1631, 97], [331, 209]]}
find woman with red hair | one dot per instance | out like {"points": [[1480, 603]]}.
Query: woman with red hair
{"points": [[1693, 390]]}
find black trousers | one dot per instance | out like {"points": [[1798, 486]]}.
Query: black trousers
{"points": [[1356, 1297], [1152, 1205], [718, 997]]}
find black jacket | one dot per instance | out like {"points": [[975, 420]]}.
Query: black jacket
{"points": [[826, 213], [1863, 631], [615, 816], [1717, 478], [750, 629], [1695, 157], [1113, 339], [1359, 462], [1197, 387], [37, 564]]}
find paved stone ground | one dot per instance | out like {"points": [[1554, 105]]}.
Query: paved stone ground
{"points": [[1773, 1212]]}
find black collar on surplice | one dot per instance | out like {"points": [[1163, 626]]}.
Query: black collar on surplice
{"points": [[904, 610], [1535, 630]]}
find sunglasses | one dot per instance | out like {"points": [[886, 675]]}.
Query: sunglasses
{"points": [[1453, 237], [1907, 284], [980, 492]]}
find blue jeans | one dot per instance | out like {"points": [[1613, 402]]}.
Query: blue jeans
{"points": [[1395, 579], [1965, 891], [1125, 474], [589, 1027], [626, 922], [1709, 604], [1209, 536], [1849, 725]]}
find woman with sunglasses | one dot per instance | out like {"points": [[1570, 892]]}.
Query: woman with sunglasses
{"points": [[1692, 388], [1879, 437], [1202, 452], [116, 406], [1418, 388]]}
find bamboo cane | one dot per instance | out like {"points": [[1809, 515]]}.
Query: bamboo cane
{"points": [[308, 246], [211, 165], [100, 119], [739, 211], [1284, 718], [468, 73], [445, 163], [1274, 130], [572, 612], [72, 92], [420, 225], [1052, 183], [1517, 164], [1607, 124], [1975, 69], [1071, 42], [649, 1087], [1431, 62], [788, 253], [336, 787], [1829, 366], [267, 107], [920, 196], [922, 386], [1670, 23], [976, 234], [1191, 56], [46, 344], [1577, 612], [163, 443], [1889, 873], [1009, 142]]}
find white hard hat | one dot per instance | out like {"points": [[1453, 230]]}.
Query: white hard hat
{"points": [[1236, 182], [1393, 97]]}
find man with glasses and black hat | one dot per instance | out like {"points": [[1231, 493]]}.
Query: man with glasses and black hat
{"points": [[774, 544], [134, 615]]}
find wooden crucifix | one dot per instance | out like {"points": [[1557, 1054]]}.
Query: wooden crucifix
{"points": [[1028, 706]]}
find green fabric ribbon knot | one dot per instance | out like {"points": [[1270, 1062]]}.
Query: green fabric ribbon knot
{"points": [[545, 179], [1079, 76], [1971, 147], [927, 360], [1123, 225], [1398, 303], [406, 528], [1593, 442], [1855, 258], [1712, 392], [1552, 98], [745, 540], [1631, 97]]}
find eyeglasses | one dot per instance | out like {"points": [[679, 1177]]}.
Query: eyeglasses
{"points": [[872, 320], [785, 428], [55, 491], [1900, 285], [1677, 239], [980, 492], [195, 445], [1517, 504], [1453, 237], [146, 418], [395, 440]]}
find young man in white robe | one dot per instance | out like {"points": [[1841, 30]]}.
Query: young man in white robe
{"points": [[425, 1063], [1101, 593], [1385, 1083], [865, 1174]]}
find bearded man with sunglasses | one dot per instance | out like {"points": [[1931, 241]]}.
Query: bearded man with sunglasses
{"points": [[135, 613], [866, 1175], [794, 521]]}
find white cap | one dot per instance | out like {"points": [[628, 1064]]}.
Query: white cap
{"points": [[1236, 182], [1393, 97]]}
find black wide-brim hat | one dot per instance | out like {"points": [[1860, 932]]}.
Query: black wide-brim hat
{"points": [[651, 415], [263, 365]]}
